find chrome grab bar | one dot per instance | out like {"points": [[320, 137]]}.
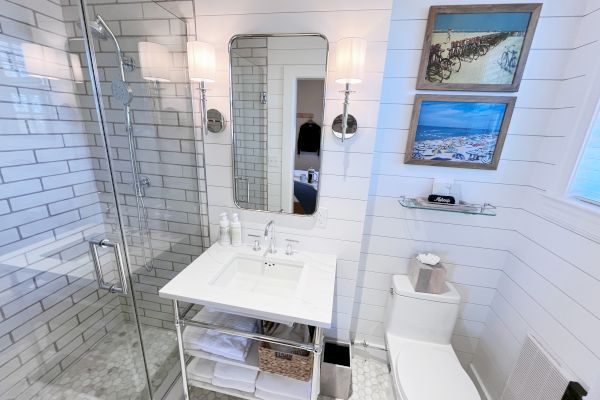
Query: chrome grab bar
{"points": [[243, 178], [105, 243], [312, 347]]}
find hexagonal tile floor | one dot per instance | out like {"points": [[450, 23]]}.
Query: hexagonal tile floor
{"points": [[113, 368], [370, 381]]}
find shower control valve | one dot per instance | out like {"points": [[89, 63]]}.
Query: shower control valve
{"points": [[144, 181]]}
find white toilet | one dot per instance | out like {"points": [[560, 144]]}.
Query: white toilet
{"points": [[418, 331]]}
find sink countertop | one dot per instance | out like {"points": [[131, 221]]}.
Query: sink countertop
{"points": [[311, 304]]}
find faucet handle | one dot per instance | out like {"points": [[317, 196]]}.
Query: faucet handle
{"points": [[289, 249], [256, 246]]}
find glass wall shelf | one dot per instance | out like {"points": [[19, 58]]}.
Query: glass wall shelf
{"points": [[464, 208]]}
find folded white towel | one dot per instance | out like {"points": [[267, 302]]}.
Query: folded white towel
{"points": [[234, 347], [229, 383], [235, 373], [201, 369], [261, 394], [283, 386]]}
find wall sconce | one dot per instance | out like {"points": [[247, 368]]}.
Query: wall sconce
{"points": [[76, 69], [154, 61], [45, 62], [350, 69], [201, 68]]}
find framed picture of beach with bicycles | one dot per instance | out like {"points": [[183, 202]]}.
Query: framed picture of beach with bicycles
{"points": [[458, 131], [477, 47]]}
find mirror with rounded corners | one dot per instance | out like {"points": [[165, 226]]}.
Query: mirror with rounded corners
{"points": [[277, 111]]}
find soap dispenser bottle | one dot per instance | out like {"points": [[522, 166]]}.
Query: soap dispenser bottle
{"points": [[224, 225], [236, 230]]}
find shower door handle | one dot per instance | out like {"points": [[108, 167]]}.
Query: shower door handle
{"points": [[105, 243]]}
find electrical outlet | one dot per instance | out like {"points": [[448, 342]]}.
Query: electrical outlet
{"points": [[322, 218]]}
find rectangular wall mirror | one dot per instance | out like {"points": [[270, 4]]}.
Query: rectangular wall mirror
{"points": [[277, 108]]}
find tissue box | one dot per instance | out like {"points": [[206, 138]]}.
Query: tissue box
{"points": [[427, 278]]}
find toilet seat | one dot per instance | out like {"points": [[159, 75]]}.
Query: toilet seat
{"points": [[426, 371]]}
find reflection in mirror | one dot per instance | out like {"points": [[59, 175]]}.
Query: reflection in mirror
{"points": [[277, 93], [337, 126], [215, 121]]}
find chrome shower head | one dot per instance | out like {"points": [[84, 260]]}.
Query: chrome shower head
{"points": [[98, 30], [122, 92]]}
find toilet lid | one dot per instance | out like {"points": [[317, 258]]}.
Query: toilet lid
{"points": [[427, 371]]}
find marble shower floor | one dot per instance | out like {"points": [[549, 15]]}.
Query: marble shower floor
{"points": [[113, 368]]}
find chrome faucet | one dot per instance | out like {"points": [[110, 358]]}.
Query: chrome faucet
{"points": [[271, 246]]}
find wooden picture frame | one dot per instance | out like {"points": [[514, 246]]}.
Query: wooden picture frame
{"points": [[477, 47], [458, 131]]}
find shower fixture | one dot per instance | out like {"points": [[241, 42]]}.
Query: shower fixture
{"points": [[123, 93], [98, 30], [101, 31]]}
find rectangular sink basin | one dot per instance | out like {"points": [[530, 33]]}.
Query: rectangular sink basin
{"points": [[257, 275]]}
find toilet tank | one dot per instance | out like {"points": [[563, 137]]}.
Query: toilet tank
{"points": [[421, 316]]}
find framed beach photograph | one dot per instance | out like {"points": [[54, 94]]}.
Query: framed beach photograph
{"points": [[477, 48], [458, 131]]}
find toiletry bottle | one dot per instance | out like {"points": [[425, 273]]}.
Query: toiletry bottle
{"points": [[236, 230], [224, 237]]}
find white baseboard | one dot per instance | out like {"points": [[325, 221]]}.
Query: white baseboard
{"points": [[479, 383]]}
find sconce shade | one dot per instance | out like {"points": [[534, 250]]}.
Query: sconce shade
{"points": [[76, 69], [201, 61], [45, 62], [154, 61], [350, 60]]}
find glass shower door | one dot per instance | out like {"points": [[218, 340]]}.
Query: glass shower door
{"points": [[146, 103], [101, 189], [67, 323]]}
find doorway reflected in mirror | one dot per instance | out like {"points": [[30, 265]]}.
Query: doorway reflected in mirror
{"points": [[278, 95]]}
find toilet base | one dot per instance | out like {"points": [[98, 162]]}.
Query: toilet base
{"points": [[425, 371]]}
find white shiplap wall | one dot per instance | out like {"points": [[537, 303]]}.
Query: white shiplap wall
{"points": [[346, 168], [551, 281], [518, 271]]}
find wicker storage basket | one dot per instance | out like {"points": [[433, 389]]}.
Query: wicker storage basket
{"points": [[287, 361], [295, 364]]}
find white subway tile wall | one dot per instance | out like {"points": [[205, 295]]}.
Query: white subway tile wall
{"points": [[169, 153], [55, 188], [249, 82], [54, 198]]}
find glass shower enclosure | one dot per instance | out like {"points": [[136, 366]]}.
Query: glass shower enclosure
{"points": [[102, 195]]}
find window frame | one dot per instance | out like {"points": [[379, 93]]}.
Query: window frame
{"points": [[592, 122]]}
